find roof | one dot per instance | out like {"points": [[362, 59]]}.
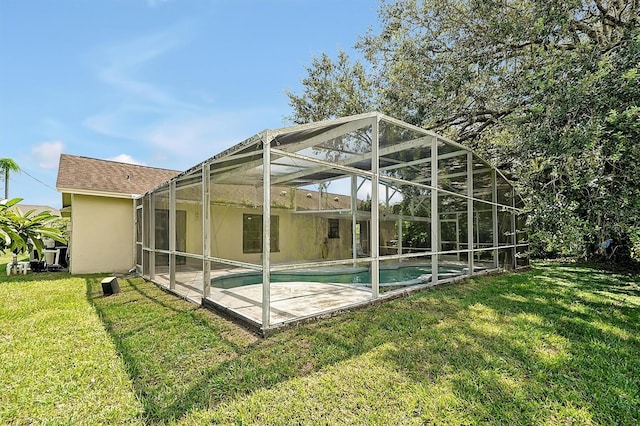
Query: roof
{"points": [[37, 209], [281, 197], [300, 157], [78, 174]]}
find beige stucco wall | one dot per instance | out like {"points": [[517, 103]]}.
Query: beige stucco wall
{"points": [[101, 235], [193, 241], [301, 236]]}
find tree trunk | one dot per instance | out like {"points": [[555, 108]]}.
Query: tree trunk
{"points": [[6, 184]]}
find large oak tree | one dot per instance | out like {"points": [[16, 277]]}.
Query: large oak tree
{"points": [[548, 90]]}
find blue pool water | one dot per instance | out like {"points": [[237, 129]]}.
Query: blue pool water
{"points": [[395, 276]]}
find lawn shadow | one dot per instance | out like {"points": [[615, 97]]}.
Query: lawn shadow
{"points": [[181, 357], [508, 347], [522, 347]]}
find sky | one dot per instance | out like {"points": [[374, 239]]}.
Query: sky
{"points": [[163, 83]]}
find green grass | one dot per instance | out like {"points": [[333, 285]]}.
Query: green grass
{"points": [[559, 344], [57, 363]]}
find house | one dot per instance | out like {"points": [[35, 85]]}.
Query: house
{"points": [[299, 221], [98, 197]]}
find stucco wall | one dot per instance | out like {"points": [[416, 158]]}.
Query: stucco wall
{"points": [[301, 236], [101, 235]]}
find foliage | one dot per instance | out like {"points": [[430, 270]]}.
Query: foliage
{"points": [[332, 89], [19, 231], [554, 345], [584, 160], [7, 165], [546, 89]]}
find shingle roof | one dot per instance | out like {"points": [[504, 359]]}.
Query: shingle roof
{"points": [[91, 174], [109, 177], [37, 209]]}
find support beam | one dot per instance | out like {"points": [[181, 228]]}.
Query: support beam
{"points": [[354, 222], [266, 231], [435, 218], [375, 213], [206, 231], [139, 238], [172, 235], [152, 236], [400, 230], [386, 197], [470, 232], [494, 215], [514, 235]]}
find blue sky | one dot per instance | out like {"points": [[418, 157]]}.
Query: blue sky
{"points": [[165, 83]]}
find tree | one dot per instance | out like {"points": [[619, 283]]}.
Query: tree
{"points": [[332, 89], [7, 165], [19, 232], [548, 90]]}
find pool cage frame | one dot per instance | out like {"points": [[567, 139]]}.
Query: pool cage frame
{"points": [[392, 161]]}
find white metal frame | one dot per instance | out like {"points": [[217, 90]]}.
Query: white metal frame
{"points": [[273, 147]]}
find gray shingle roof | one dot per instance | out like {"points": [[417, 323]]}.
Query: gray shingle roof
{"points": [[91, 174]]}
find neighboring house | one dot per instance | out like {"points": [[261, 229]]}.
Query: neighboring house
{"points": [[98, 197], [24, 208]]}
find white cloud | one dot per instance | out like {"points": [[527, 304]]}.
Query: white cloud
{"points": [[178, 130], [181, 140], [125, 158], [196, 137], [123, 65], [48, 153]]}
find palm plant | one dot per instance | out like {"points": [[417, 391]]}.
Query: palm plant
{"points": [[7, 165], [18, 231]]}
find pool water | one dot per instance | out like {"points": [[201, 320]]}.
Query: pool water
{"points": [[389, 276]]}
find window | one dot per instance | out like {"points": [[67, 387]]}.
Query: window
{"points": [[334, 228], [252, 233], [162, 235]]}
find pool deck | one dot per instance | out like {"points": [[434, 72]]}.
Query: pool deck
{"points": [[289, 301], [188, 285]]}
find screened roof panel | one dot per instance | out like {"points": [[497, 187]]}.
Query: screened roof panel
{"points": [[392, 133], [351, 143], [294, 137], [333, 149]]}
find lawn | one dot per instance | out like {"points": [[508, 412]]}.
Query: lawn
{"points": [[557, 344]]}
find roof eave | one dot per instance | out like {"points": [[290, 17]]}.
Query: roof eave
{"points": [[96, 193]]}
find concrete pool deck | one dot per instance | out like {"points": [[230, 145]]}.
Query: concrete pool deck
{"points": [[290, 300]]}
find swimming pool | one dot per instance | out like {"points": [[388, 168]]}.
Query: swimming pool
{"points": [[390, 276]]}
